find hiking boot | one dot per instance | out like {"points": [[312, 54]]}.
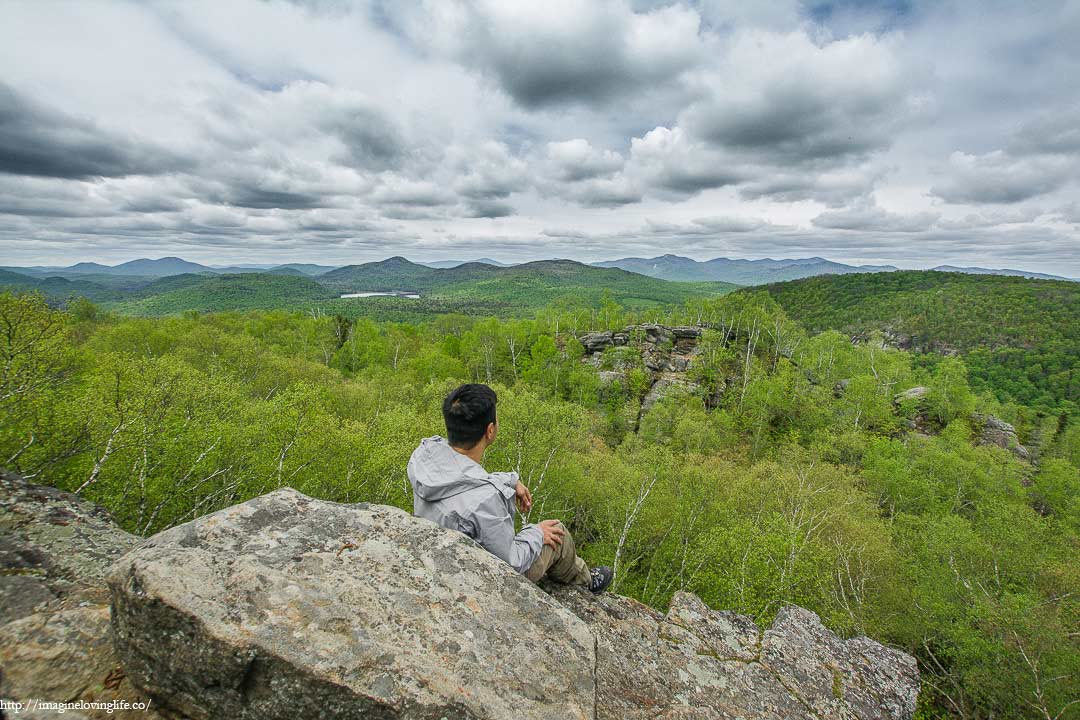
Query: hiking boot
{"points": [[600, 578]]}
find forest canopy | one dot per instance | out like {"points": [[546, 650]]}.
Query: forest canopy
{"points": [[784, 470]]}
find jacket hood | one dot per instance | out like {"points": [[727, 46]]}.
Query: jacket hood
{"points": [[437, 471]]}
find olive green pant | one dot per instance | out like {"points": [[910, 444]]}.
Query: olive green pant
{"points": [[560, 563]]}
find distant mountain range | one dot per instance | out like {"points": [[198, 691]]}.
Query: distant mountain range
{"points": [[740, 272], [455, 263], [470, 288], [665, 267], [765, 271], [164, 267], [1001, 271], [481, 280]]}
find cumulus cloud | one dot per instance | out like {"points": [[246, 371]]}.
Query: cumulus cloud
{"points": [[45, 198], [993, 217], [38, 139], [1057, 133], [729, 224], [578, 160], [998, 177], [559, 52], [866, 215], [488, 208], [781, 116], [669, 161], [1069, 213], [606, 192], [1040, 157], [782, 98], [337, 129], [402, 191], [489, 171], [576, 171], [833, 187]]}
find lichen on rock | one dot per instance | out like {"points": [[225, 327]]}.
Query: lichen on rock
{"points": [[287, 606]]}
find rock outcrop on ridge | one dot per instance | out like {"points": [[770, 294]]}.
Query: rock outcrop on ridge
{"points": [[666, 353], [695, 662], [995, 431], [286, 606], [55, 642]]}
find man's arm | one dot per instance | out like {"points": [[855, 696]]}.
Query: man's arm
{"points": [[509, 482], [495, 531], [507, 479]]}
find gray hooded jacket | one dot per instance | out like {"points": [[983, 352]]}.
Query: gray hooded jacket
{"points": [[456, 492]]}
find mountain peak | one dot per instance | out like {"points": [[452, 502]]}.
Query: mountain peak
{"points": [[395, 260]]}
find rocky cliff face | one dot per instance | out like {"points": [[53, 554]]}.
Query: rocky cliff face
{"points": [[667, 353], [287, 606], [54, 604]]}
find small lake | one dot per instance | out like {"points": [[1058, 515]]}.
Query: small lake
{"points": [[392, 293]]}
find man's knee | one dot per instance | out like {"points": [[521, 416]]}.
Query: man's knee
{"points": [[566, 550]]}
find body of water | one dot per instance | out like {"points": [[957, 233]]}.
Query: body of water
{"points": [[394, 293]]}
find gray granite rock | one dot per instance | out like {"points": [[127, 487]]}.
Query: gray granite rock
{"points": [[858, 678], [596, 341], [286, 606], [695, 662], [686, 331], [52, 543], [995, 431], [55, 641], [665, 385], [915, 393]]}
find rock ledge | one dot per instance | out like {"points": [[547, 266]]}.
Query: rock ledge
{"points": [[287, 606]]}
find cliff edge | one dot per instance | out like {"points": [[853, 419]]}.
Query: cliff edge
{"points": [[289, 606]]}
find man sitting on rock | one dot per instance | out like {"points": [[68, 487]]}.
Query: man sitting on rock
{"points": [[451, 488]]}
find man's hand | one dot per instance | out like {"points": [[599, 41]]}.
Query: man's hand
{"points": [[553, 532], [524, 497]]}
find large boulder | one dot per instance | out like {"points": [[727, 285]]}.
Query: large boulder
{"points": [[703, 664], [686, 337], [286, 606], [686, 331], [653, 333], [596, 341], [661, 348], [54, 548], [55, 644], [667, 384], [915, 394], [995, 431]]}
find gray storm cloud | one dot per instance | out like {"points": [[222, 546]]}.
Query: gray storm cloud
{"points": [[348, 131]]}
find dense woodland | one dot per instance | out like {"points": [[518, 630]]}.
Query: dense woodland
{"points": [[1020, 338], [786, 491]]}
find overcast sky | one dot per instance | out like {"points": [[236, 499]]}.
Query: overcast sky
{"points": [[912, 133]]}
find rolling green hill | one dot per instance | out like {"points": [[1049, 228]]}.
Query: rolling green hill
{"points": [[10, 278], [1020, 337], [473, 288], [482, 288], [544, 281], [246, 291], [740, 272], [394, 273], [98, 288]]}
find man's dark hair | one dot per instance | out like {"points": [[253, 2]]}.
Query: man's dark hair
{"points": [[468, 410]]}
